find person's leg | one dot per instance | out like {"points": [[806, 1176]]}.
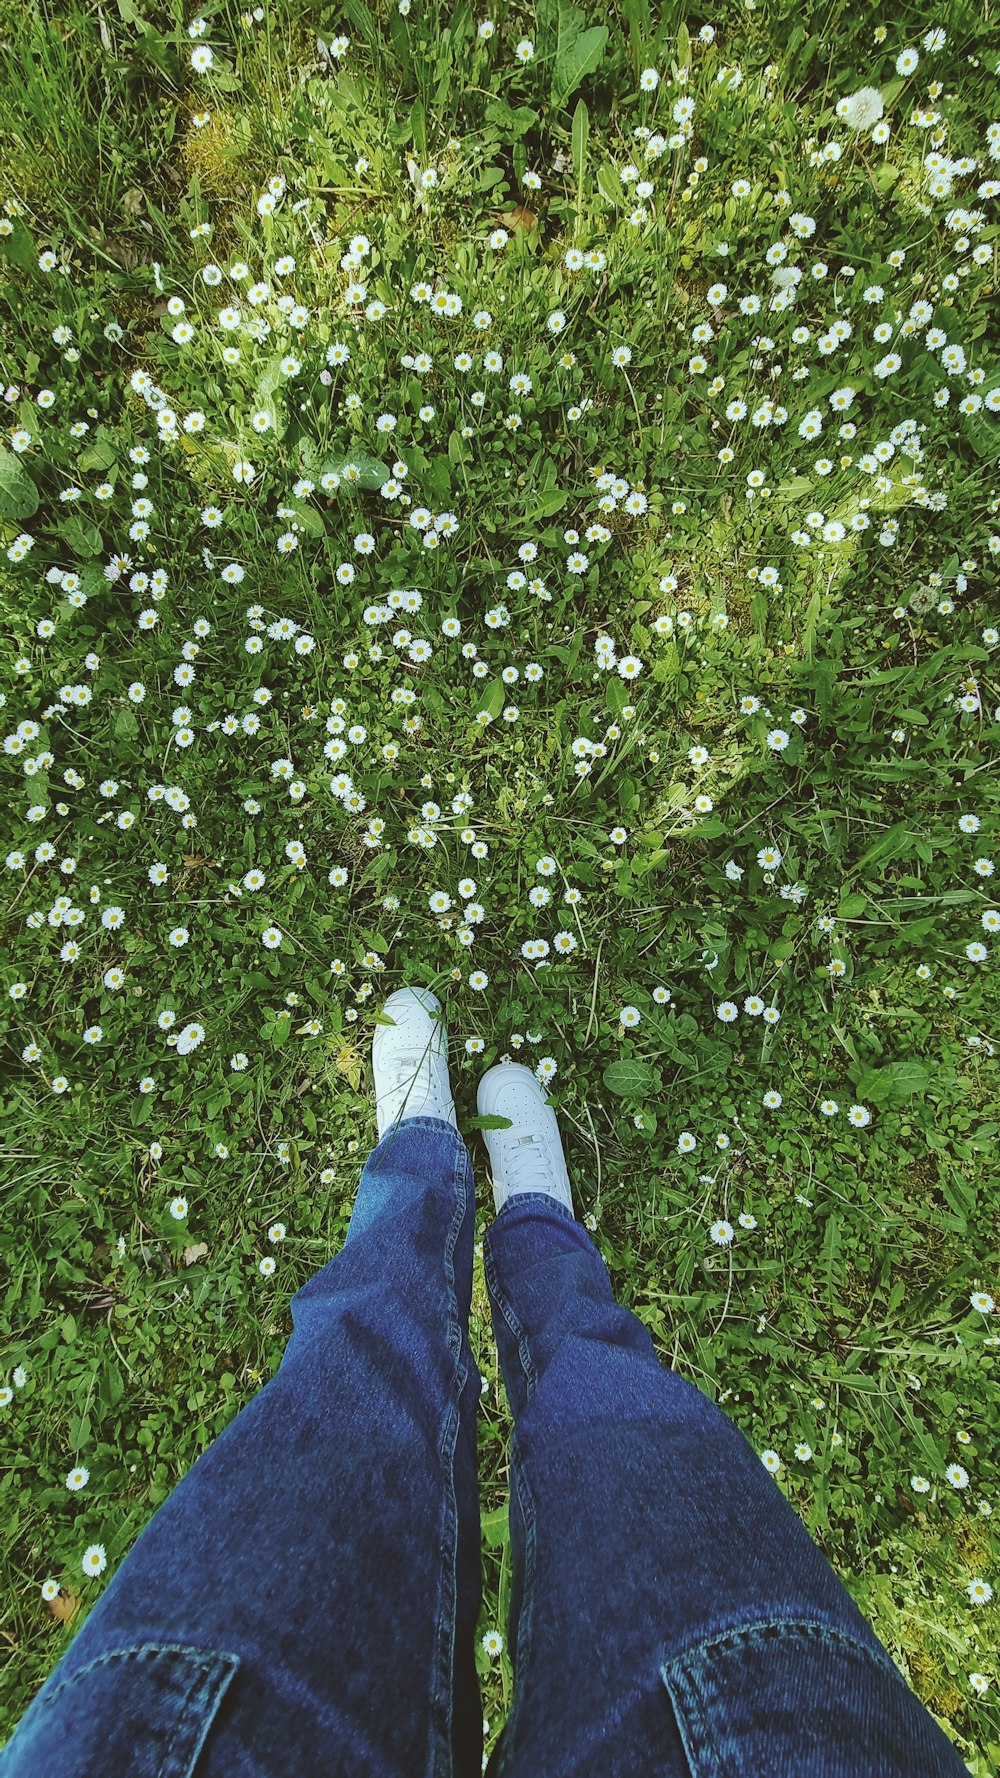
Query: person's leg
{"points": [[670, 1612], [326, 1546]]}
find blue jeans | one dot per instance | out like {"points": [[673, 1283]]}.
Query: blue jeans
{"points": [[305, 1602]]}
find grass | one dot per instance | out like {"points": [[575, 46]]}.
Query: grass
{"points": [[809, 605]]}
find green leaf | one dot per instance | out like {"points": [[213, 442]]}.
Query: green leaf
{"points": [[19, 248], [550, 500], [308, 519], [494, 699], [79, 1432], [511, 122], [683, 46], [581, 130], [852, 906], [608, 186], [83, 538], [896, 1082], [18, 494], [632, 1079], [271, 378], [361, 17], [401, 44], [112, 1384], [496, 1524], [100, 454], [487, 1121], [371, 471], [575, 60], [896, 842]]}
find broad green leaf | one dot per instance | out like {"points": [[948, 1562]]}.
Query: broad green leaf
{"points": [[896, 842], [79, 1432], [683, 46], [361, 17], [271, 378], [308, 519], [512, 123], [401, 42], [581, 129], [707, 829], [896, 1082], [851, 907], [496, 1524], [494, 699], [100, 454], [549, 501], [83, 538], [18, 494], [359, 471], [632, 1079], [608, 186], [19, 248], [574, 62]]}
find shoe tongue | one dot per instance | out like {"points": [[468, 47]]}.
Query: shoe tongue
{"points": [[529, 1161]]}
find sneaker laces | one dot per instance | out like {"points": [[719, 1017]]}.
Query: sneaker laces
{"points": [[525, 1160], [416, 1072]]}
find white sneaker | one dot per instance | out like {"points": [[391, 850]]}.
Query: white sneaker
{"points": [[529, 1156], [410, 1060]]}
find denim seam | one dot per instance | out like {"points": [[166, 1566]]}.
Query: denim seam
{"points": [[692, 1704], [507, 1310], [200, 1683], [524, 1621], [448, 1607], [788, 1628], [138, 1651]]}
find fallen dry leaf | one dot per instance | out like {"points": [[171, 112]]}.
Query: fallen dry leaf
{"points": [[64, 1607], [349, 1063], [191, 1254], [522, 217]]}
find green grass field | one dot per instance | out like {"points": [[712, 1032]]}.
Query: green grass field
{"points": [[508, 502]]}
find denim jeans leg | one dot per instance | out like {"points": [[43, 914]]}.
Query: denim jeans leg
{"points": [[327, 1544], [670, 1612]]}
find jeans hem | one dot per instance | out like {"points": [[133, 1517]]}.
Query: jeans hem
{"points": [[548, 1202]]}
